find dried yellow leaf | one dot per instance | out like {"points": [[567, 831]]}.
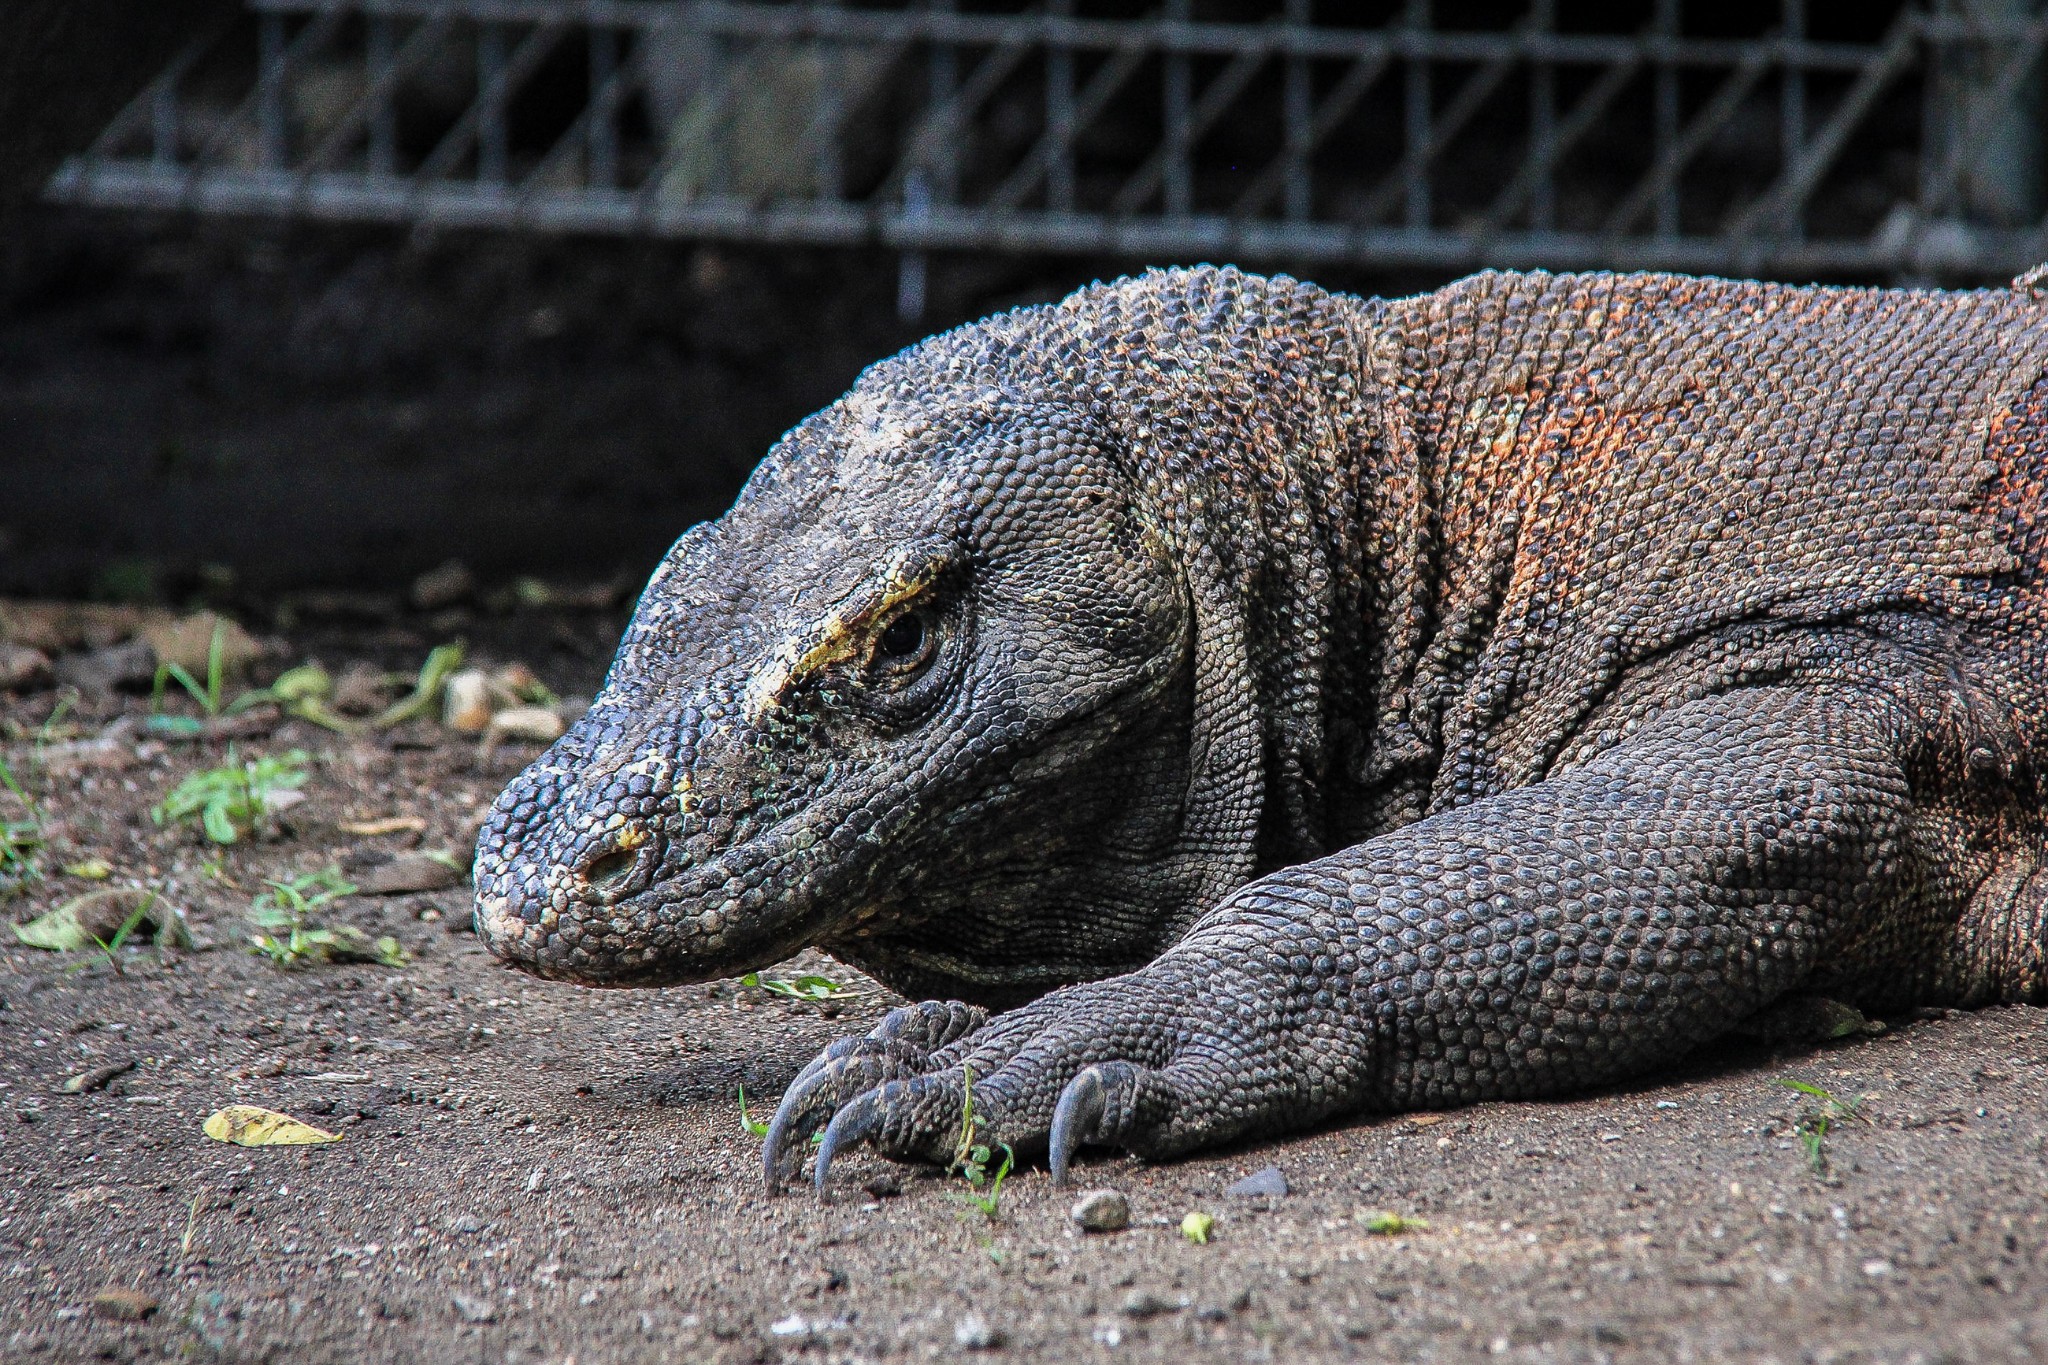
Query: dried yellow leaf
{"points": [[250, 1125]]}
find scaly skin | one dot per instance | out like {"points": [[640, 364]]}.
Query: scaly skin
{"points": [[1286, 704]]}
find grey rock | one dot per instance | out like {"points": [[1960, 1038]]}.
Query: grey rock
{"points": [[129, 665], [406, 874], [1143, 1303], [974, 1332], [443, 587], [1270, 1181], [23, 669], [884, 1185], [471, 1308], [1102, 1211]]}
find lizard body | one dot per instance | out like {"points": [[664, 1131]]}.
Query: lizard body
{"points": [[1285, 704]]}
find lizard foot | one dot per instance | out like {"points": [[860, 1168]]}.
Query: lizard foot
{"points": [[901, 1045], [1109, 1063]]}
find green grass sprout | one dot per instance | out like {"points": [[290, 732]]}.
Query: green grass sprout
{"points": [[207, 697], [1828, 1112], [807, 987], [21, 838], [748, 1122], [237, 799], [291, 935], [971, 1159], [442, 661]]}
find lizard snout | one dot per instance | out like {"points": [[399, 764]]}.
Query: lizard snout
{"points": [[618, 866]]}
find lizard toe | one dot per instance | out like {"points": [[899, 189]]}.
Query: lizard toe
{"points": [[1111, 1104], [916, 1119], [900, 1046], [815, 1096]]}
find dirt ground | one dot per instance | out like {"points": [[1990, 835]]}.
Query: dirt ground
{"points": [[531, 1172]]}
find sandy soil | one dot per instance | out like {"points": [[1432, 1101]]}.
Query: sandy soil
{"points": [[532, 1172]]}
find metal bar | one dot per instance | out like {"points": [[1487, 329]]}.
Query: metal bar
{"points": [[1444, 129], [1176, 148], [353, 197], [1334, 109], [787, 22], [1660, 185], [164, 121], [601, 115], [493, 144], [1792, 109], [1797, 182], [1543, 159], [533, 49], [821, 135], [1109, 78], [1665, 137], [1296, 115], [1059, 118], [1217, 96], [271, 67], [945, 147], [1543, 121], [1415, 123], [377, 53]]}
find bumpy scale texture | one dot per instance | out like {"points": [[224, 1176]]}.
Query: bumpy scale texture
{"points": [[1284, 704]]}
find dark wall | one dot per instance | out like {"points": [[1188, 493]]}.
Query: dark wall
{"points": [[68, 66], [315, 406]]}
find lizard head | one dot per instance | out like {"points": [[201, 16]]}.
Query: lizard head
{"points": [[921, 697]]}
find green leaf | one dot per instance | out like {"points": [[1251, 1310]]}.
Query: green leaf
{"points": [[1805, 1089], [747, 1121], [442, 661]]}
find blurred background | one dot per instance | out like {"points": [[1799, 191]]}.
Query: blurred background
{"points": [[301, 300]]}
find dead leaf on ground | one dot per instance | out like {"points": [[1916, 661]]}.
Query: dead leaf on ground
{"points": [[87, 921], [251, 1125], [390, 824]]}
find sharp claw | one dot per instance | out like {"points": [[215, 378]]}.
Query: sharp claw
{"points": [[797, 1117], [1076, 1118], [859, 1120]]}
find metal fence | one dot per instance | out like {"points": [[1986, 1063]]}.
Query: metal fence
{"points": [[1903, 142]]}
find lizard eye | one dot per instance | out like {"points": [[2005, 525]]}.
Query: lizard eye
{"points": [[904, 648], [903, 639]]}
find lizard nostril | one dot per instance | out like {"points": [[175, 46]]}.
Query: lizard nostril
{"points": [[610, 869]]}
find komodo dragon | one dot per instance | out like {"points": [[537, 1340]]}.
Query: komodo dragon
{"points": [[1284, 704]]}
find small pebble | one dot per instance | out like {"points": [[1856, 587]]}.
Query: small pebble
{"points": [[471, 1308], [23, 668], [974, 1332], [1143, 1303], [532, 724], [1102, 1211], [130, 665], [1267, 1182], [466, 701], [442, 587], [123, 1304]]}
